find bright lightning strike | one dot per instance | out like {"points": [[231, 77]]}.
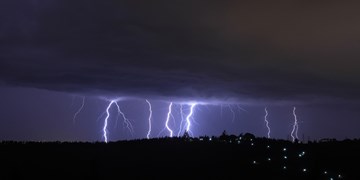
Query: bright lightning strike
{"points": [[188, 122], [150, 116], [168, 119], [79, 110], [106, 121], [267, 122], [294, 132], [126, 121]]}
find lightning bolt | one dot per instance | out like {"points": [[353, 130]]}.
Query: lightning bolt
{"points": [[150, 116], [267, 122], [294, 132], [168, 119], [188, 122], [182, 119], [126, 121], [79, 110], [233, 113], [241, 109], [297, 124], [106, 122]]}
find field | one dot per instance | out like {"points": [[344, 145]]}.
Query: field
{"points": [[226, 157]]}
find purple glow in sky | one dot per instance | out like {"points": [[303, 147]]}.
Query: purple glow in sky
{"points": [[26, 120], [225, 57]]}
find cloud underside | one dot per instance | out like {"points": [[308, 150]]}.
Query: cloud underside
{"points": [[265, 51]]}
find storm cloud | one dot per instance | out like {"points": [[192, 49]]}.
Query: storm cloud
{"points": [[253, 50]]}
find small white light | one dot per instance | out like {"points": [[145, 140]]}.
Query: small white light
{"points": [[252, 144], [268, 146], [251, 139], [284, 167], [304, 170], [239, 142], [254, 162], [284, 149], [325, 172], [331, 178], [303, 153], [285, 157], [339, 176], [210, 139], [230, 141], [300, 155], [269, 159]]}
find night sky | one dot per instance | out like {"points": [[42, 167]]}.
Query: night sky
{"points": [[222, 55]]}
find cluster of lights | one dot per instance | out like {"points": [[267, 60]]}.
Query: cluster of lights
{"points": [[302, 154], [303, 170], [339, 176]]}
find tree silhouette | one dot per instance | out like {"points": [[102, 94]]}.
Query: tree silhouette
{"points": [[224, 136], [248, 136], [186, 135]]}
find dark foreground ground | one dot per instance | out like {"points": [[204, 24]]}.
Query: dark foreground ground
{"points": [[177, 158]]}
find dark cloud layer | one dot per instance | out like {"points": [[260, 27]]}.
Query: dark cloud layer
{"points": [[263, 50]]}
